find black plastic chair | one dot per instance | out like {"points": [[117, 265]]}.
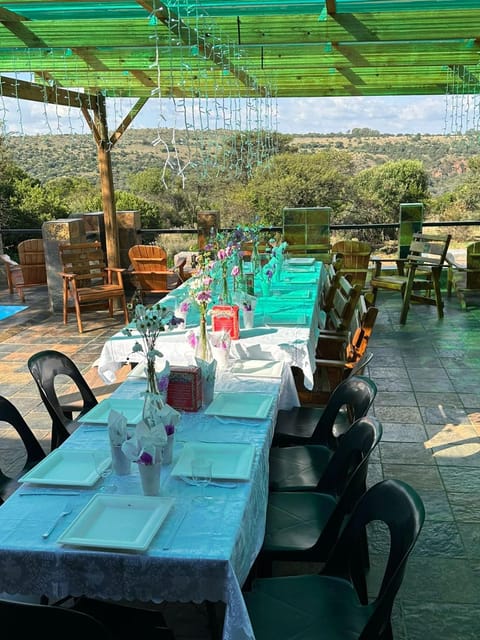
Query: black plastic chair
{"points": [[85, 619], [46, 368], [349, 401], [33, 449], [55, 623], [311, 467], [303, 526], [328, 604]]}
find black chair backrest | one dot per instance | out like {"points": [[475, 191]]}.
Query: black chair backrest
{"points": [[349, 462], [53, 622], [359, 367], [346, 473], [10, 414], [45, 367], [357, 394], [400, 508]]}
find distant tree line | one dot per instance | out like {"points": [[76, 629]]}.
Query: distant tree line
{"points": [[288, 177]]}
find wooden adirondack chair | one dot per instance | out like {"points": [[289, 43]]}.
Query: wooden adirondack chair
{"points": [[30, 271], [150, 272], [354, 257]]}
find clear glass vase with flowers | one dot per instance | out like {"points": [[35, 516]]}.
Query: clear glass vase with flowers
{"points": [[158, 417], [201, 292], [247, 304], [266, 279]]}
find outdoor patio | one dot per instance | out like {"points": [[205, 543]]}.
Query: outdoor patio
{"points": [[428, 377]]}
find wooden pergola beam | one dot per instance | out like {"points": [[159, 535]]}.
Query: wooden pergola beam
{"points": [[191, 37], [24, 90]]}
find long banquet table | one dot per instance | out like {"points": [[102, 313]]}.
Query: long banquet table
{"points": [[199, 553]]}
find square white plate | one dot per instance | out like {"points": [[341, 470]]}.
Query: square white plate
{"points": [[76, 468], [230, 461], [240, 405], [117, 522], [131, 409], [304, 294], [302, 262], [257, 368], [286, 319]]}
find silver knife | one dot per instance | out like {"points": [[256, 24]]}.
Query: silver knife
{"points": [[45, 492]]}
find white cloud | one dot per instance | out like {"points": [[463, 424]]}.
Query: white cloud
{"points": [[399, 114], [403, 114]]}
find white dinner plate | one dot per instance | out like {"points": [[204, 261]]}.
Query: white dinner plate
{"points": [[131, 409], [257, 368], [240, 405], [72, 467], [286, 319], [301, 262], [230, 461], [304, 294], [117, 522]]}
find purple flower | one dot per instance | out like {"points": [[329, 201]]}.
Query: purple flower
{"points": [[184, 307], [162, 384], [145, 458], [174, 321], [169, 429], [269, 273], [192, 340], [235, 271], [204, 296]]}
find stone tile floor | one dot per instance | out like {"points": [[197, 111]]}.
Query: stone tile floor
{"points": [[428, 377]]}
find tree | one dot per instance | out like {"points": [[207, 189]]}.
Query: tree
{"points": [[246, 150], [381, 189], [320, 179]]}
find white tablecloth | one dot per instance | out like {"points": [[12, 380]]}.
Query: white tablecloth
{"points": [[295, 299]]}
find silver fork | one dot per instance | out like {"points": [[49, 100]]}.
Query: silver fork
{"points": [[66, 511]]}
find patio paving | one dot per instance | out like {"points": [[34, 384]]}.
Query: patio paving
{"points": [[428, 377]]}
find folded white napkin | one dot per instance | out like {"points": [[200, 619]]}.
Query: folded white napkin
{"points": [[117, 427]]}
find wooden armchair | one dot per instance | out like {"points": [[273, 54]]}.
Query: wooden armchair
{"points": [[87, 282], [338, 355], [419, 272], [30, 271], [149, 269], [464, 279], [354, 259]]}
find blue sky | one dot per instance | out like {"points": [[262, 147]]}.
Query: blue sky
{"points": [[405, 114]]}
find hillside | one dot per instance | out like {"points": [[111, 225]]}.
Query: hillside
{"points": [[48, 156]]}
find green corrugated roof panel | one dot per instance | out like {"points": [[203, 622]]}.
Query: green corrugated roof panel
{"points": [[375, 47]]}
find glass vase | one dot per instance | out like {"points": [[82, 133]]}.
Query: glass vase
{"points": [[226, 297], [206, 362], [203, 349], [255, 259]]}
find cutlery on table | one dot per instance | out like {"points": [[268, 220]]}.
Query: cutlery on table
{"points": [[46, 492], [212, 483], [66, 511]]}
